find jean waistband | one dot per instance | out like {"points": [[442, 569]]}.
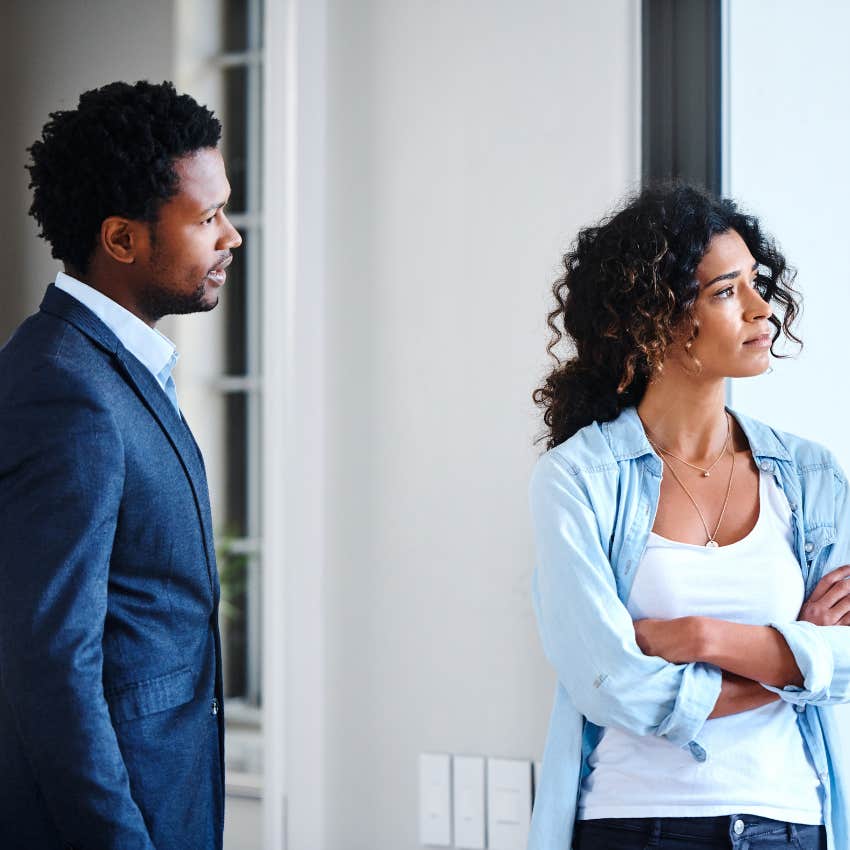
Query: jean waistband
{"points": [[713, 827]]}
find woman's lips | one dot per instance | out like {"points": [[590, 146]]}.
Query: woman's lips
{"points": [[761, 341]]}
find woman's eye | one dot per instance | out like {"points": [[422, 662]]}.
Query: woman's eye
{"points": [[209, 220], [725, 293]]}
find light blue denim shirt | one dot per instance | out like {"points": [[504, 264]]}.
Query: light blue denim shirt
{"points": [[154, 350], [593, 503]]}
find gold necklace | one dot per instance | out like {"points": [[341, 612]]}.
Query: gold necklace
{"points": [[706, 473], [712, 542]]}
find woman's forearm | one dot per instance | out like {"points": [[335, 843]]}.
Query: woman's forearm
{"points": [[759, 653], [738, 694]]}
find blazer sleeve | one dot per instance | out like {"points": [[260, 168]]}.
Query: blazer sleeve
{"points": [[823, 652], [61, 481], [588, 634]]}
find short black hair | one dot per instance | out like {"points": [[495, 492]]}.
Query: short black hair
{"points": [[112, 155]]}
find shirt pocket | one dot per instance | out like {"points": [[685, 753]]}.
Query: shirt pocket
{"points": [[150, 696]]}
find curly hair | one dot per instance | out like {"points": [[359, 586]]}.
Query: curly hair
{"points": [[628, 292], [112, 155]]}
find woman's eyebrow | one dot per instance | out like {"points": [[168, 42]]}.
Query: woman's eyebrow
{"points": [[731, 275]]}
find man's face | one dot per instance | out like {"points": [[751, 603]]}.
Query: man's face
{"points": [[182, 266]]}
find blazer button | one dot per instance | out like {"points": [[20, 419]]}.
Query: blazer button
{"points": [[214, 707]]}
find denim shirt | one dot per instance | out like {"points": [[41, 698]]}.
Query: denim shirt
{"points": [[593, 503]]}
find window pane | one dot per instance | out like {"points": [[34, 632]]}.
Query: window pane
{"points": [[233, 574], [236, 465], [234, 129], [234, 302], [235, 25]]}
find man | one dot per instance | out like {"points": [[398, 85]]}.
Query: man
{"points": [[111, 730]]}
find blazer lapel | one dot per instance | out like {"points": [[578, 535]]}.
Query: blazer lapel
{"points": [[60, 304], [177, 431]]}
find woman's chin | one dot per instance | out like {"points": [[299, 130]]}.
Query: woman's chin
{"points": [[753, 370]]}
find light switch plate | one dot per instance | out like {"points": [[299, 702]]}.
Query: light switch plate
{"points": [[435, 799], [508, 803], [468, 775]]}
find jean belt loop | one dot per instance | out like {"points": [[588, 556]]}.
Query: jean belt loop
{"points": [[792, 832], [655, 833]]}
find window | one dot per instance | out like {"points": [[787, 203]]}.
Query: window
{"points": [[239, 64], [220, 63]]}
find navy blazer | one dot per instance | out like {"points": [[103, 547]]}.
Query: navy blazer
{"points": [[111, 730]]}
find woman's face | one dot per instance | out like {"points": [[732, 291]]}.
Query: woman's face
{"points": [[734, 333]]}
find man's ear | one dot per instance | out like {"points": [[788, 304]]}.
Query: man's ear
{"points": [[119, 239]]}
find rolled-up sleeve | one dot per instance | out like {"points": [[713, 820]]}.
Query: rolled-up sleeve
{"points": [[811, 648], [587, 632], [822, 653]]}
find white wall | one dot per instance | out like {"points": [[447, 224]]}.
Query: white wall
{"points": [[788, 126], [467, 142]]}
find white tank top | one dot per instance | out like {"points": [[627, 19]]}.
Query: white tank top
{"points": [[757, 761]]}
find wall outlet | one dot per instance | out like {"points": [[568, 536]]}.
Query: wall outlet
{"points": [[468, 778], [435, 799], [508, 803]]}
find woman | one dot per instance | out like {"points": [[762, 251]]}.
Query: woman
{"points": [[676, 545]]}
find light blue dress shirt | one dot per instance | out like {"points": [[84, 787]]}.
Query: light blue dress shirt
{"points": [[593, 503], [154, 350]]}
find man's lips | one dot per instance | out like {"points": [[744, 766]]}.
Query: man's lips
{"points": [[217, 274]]}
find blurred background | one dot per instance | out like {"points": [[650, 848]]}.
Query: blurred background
{"points": [[406, 176]]}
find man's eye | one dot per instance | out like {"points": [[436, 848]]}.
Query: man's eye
{"points": [[209, 220]]}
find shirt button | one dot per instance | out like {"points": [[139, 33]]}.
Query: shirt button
{"points": [[793, 506], [214, 707], [765, 466], [799, 708], [810, 547], [738, 827], [696, 751]]}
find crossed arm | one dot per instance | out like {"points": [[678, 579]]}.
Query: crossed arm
{"points": [[750, 656], [618, 674]]}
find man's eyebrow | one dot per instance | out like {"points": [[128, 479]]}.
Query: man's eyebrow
{"points": [[730, 275], [213, 208]]}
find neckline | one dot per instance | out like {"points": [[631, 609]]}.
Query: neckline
{"points": [[751, 533]]}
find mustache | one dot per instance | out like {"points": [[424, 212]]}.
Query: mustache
{"points": [[224, 260]]}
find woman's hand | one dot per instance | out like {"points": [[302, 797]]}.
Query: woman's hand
{"points": [[675, 640], [829, 603]]}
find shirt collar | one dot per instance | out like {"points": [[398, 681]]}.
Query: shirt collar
{"points": [[627, 437], [155, 351]]}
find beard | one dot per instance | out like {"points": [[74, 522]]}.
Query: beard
{"points": [[157, 302], [162, 296]]}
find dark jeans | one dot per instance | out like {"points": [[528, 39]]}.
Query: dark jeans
{"points": [[738, 832]]}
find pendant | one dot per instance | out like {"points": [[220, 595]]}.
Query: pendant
{"points": [[712, 544], [706, 474]]}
